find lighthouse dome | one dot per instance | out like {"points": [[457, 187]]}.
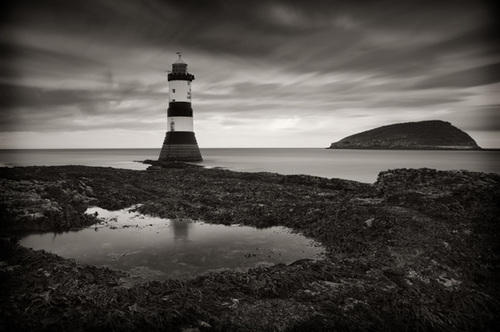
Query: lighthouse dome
{"points": [[179, 70], [179, 66], [180, 59]]}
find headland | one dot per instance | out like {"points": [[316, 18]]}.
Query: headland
{"points": [[423, 135]]}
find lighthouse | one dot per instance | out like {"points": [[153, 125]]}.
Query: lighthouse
{"points": [[180, 143]]}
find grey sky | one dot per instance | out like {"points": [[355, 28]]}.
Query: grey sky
{"points": [[268, 73]]}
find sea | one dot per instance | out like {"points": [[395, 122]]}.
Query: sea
{"points": [[358, 165]]}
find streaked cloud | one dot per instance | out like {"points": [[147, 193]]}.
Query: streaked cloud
{"points": [[268, 73]]}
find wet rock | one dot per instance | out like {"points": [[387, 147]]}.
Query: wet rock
{"points": [[400, 251]]}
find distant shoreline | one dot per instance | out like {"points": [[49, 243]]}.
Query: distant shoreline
{"points": [[416, 149]]}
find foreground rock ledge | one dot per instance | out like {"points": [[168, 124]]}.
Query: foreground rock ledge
{"points": [[417, 250]]}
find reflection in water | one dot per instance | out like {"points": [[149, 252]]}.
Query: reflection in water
{"points": [[181, 230], [154, 248]]}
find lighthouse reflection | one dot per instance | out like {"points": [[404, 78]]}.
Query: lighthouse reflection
{"points": [[156, 249], [181, 230]]}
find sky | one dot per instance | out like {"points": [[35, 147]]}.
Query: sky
{"points": [[93, 74]]}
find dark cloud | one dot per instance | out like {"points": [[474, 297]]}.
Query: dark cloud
{"points": [[306, 37], [480, 40], [67, 64], [28, 96], [477, 76], [418, 101], [31, 60], [13, 96], [486, 118], [31, 108]]}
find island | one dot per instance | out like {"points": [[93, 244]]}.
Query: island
{"points": [[423, 135], [416, 250]]}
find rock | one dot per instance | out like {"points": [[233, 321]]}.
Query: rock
{"points": [[369, 222], [398, 251], [410, 136]]}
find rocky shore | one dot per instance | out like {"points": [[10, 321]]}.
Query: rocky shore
{"points": [[416, 250]]}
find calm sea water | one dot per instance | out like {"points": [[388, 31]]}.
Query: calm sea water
{"points": [[358, 165], [152, 248]]}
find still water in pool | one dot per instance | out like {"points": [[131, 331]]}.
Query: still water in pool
{"points": [[155, 249]]}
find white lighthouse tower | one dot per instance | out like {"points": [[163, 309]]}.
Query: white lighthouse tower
{"points": [[180, 143]]}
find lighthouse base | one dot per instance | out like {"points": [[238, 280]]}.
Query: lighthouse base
{"points": [[180, 146]]}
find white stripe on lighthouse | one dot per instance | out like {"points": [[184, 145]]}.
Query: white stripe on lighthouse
{"points": [[180, 123], [179, 91]]}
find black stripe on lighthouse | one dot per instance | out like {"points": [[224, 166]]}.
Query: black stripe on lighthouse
{"points": [[180, 77], [180, 137], [180, 109]]}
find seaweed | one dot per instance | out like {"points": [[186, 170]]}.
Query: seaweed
{"points": [[417, 250]]}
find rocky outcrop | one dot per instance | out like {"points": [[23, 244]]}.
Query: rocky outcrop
{"points": [[418, 248], [424, 135]]}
